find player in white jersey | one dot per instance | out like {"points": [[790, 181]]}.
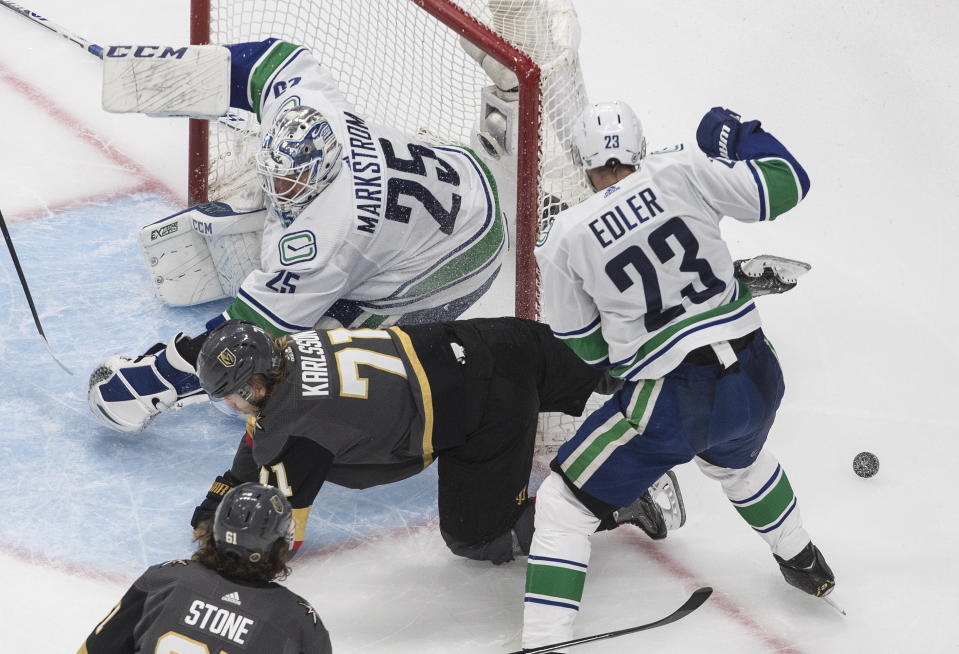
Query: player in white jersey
{"points": [[638, 280], [365, 228]]}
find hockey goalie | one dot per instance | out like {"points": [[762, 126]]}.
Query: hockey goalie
{"points": [[363, 226]]}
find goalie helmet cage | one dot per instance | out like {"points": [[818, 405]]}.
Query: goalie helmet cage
{"points": [[400, 62]]}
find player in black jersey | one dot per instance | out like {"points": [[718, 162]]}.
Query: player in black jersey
{"points": [[225, 598], [367, 407]]}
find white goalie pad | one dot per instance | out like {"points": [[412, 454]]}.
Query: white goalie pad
{"points": [[202, 253], [160, 80]]}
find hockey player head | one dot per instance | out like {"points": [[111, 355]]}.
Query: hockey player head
{"points": [[298, 158], [251, 536], [608, 142], [239, 362]]}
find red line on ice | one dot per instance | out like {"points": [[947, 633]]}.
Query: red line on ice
{"points": [[96, 198], [88, 136], [719, 600]]}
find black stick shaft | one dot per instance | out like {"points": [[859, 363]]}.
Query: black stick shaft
{"points": [[695, 600], [23, 280], [26, 290]]}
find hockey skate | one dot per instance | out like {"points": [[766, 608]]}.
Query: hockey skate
{"points": [[808, 571], [658, 511], [768, 274]]}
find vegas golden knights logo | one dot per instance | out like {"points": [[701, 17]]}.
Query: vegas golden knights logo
{"points": [[277, 505], [227, 358], [523, 494]]}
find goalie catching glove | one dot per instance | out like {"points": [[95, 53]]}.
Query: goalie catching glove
{"points": [[767, 274], [127, 394]]}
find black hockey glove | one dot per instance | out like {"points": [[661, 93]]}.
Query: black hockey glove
{"points": [[214, 496], [720, 132]]}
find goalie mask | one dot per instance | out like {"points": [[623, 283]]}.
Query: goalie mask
{"points": [[608, 133], [250, 519], [232, 354], [298, 158]]}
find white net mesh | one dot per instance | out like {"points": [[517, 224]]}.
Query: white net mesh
{"points": [[401, 66]]}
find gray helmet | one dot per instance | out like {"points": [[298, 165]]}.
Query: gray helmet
{"points": [[250, 519], [231, 354]]}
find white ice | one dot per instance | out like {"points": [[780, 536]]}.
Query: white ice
{"points": [[864, 93]]}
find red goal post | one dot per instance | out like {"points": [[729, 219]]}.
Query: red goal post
{"points": [[406, 68]]}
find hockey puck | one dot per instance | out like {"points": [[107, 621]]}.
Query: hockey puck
{"points": [[866, 464]]}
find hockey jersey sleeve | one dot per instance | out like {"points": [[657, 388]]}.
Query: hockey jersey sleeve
{"points": [[569, 310], [263, 71], [764, 183], [299, 473], [287, 299], [114, 635]]}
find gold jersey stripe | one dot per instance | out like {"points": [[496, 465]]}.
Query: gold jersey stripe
{"points": [[300, 516], [425, 391]]}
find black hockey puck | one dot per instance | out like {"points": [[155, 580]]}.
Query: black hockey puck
{"points": [[866, 464]]}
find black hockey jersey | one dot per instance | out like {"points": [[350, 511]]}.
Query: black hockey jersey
{"points": [[181, 606], [359, 408]]}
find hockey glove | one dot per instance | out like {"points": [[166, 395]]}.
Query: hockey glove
{"points": [[767, 274], [721, 131], [126, 394], [207, 509]]}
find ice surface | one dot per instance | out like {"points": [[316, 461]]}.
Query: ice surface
{"points": [[864, 93]]}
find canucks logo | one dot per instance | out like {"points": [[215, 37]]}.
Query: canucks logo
{"points": [[673, 148], [544, 231], [227, 358], [297, 247]]}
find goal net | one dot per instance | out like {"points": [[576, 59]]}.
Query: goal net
{"points": [[434, 68]]}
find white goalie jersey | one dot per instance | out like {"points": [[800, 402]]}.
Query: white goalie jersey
{"points": [[638, 275], [404, 227]]}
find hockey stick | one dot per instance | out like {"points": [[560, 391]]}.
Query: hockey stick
{"points": [[26, 291], [92, 48], [695, 600]]}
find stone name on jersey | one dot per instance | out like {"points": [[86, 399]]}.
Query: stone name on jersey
{"points": [[219, 622], [314, 369]]}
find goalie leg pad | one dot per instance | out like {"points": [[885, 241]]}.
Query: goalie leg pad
{"points": [[202, 253]]}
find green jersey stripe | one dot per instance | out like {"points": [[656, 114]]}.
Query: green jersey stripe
{"points": [[262, 72], [373, 321], [476, 255], [243, 311], [553, 581], [662, 337], [644, 400], [597, 447], [591, 348], [770, 507], [782, 186], [592, 448]]}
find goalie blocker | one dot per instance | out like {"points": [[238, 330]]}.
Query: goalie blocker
{"points": [[162, 80]]}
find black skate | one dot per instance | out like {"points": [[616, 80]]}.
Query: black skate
{"points": [[657, 510], [808, 571]]}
